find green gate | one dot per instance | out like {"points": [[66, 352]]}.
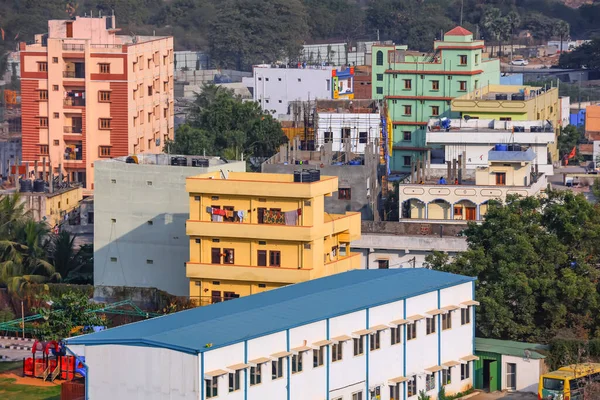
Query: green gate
{"points": [[488, 371]]}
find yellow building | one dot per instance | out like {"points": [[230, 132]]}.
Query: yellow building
{"points": [[52, 207], [274, 232], [513, 103]]}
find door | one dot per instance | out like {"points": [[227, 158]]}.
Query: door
{"points": [[493, 365], [215, 296], [470, 213], [500, 178], [511, 376], [215, 255]]}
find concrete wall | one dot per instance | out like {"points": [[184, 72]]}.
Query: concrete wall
{"points": [[367, 124], [528, 373], [128, 251]]}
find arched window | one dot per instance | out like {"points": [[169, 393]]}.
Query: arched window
{"points": [[380, 57]]}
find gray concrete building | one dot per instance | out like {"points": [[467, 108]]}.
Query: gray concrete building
{"points": [[139, 220], [359, 187]]}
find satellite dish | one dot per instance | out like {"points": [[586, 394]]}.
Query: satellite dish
{"points": [[527, 354], [467, 117]]}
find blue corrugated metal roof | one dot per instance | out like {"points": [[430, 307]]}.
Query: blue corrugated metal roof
{"points": [[248, 317], [528, 155]]}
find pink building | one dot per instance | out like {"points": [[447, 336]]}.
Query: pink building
{"points": [[88, 93]]}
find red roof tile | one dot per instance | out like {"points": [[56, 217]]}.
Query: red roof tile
{"points": [[458, 31]]}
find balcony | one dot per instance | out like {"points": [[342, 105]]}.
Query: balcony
{"points": [[242, 272], [74, 102], [73, 47], [72, 129], [74, 74]]}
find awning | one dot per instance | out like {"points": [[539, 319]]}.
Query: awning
{"points": [[436, 311], [301, 348], [379, 327], [469, 303], [435, 368], [415, 317], [362, 332], [341, 338], [451, 308], [322, 343], [469, 358], [237, 367], [216, 372], [398, 379], [399, 322], [281, 354], [450, 364], [260, 360]]}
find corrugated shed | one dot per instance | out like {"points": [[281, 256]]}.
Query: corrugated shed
{"points": [[233, 321], [510, 348]]}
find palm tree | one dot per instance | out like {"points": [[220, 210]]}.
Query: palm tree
{"points": [[68, 262], [514, 21], [490, 22], [562, 30]]}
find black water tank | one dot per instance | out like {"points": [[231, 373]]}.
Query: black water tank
{"points": [[130, 160], [297, 176], [315, 175], [174, 161], [517, 147], [26, 185], [501, 97], [39, 186], [305, 177], [518, 96], [181, 161]]}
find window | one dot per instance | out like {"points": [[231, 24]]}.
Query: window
{"points": [[465, 315], [476, 59], [396, 335], [363, 137], [337, 352], [383, 264], [430, 325], [411, 386], [435, 110], [407, 110], [274, 258], [256, 375], [103, 96], [104, 123], [149, 61], [380, 77], [446, 376], [458, 210], [44, 122], [447, 321], [104, 68], [228, 256], [55, 88], [44, 149], [465, 371], [261, 258], [379, 90], [212, 387], [299, 80], [501, 178], [56, 115], [277, 368], [379, 60], [43, 95], [511, 380], [407, 136], [42, 66], [406, 160], [215, 255], [357, 395], [344, 194], [375, 341], [435, 85], [407, 84], [476, 84], [104, 151], [346, 132], [297, 363], [56, 142], [395, 392], [55, 60], [411, 331], [429, 382], [463, 85], [463, 60], [359, 345], [318, 355], [328, 137]]}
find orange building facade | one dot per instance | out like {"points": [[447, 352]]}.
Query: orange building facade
{"points": [[88, 93]]}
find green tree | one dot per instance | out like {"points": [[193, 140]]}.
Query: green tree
{"points": [[513, 20], [587, 55], [70, 310], [569, 137], [70, 263], [562, 29], [535, 262]]}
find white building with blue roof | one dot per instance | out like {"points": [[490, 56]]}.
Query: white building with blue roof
{"points": [[363, 334]]}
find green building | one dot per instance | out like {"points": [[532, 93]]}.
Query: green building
{"points": [[418, 86]]}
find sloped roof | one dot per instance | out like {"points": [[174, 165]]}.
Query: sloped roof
{"points": [[510, 348], [459, 31], [204, 328]]}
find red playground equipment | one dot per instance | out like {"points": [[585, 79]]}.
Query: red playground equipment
{"points": [[53, 363]]}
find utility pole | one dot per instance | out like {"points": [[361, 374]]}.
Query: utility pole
{"points": [[23, 320], [378, 35], [462, 3]]}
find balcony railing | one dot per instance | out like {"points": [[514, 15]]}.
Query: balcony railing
{"points": [[73, 74], [73, 47], [72, 129], [106, 46], [199, 301], [74, 102], [77, 156]]}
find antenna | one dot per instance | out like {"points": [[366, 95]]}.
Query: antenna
{"points": [[527, 355]]}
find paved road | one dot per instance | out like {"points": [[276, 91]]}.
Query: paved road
{"points": [[14, 349], [503, 395]]}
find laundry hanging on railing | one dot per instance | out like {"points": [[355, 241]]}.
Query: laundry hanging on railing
{"points": [[218, 215]]}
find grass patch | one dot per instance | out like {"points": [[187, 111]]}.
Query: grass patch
{"points": [[10, 365], [9, 390]]}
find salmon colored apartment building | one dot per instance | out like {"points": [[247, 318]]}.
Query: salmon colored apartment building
{"points": [[88, 93]]}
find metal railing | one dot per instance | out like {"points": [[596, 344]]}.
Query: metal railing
{"points": [[74, 101], [106, 46], [72, 129], [73, 47], [73, 74], [200, 301]]}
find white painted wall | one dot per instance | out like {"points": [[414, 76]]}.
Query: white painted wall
{"points": [[565, 110], [357, 122], [528, 373], [143, 373], [317, 377]]}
